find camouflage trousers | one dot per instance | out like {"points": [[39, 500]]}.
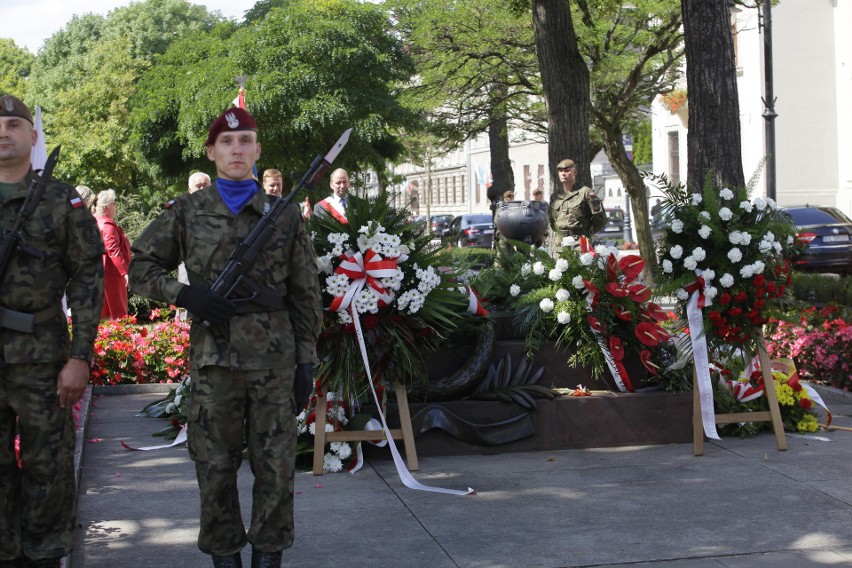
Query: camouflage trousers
{"points": [[37, 501], [226, 405]]}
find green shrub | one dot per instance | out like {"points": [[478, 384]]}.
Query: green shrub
{"points": [[822, 289], [476, 258]]}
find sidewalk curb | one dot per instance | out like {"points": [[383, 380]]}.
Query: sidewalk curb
{"points": [[80, 440], [832, 394]]}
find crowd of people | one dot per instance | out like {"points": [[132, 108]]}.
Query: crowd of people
{"points": [[252, 350]]}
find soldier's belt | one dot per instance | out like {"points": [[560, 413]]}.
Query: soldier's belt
{"points": [[24, 321]]}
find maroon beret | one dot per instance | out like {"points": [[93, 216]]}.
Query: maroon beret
{"points": [[231, 120], [13, 106]]}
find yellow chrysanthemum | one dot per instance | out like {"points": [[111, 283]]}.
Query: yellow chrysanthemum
{"points": [[785, 395], [808, 423]]}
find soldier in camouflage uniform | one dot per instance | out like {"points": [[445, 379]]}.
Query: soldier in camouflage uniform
{"points": [[573, 212], [43, 371], [251, 370]]}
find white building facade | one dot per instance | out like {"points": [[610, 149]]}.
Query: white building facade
{"points": [[812, 54], [460, 179]]}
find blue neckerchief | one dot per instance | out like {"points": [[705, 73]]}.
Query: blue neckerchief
{"points": [[236, 194]]}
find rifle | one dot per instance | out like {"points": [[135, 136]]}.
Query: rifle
{"points": [[13, 242], [241, 260]]}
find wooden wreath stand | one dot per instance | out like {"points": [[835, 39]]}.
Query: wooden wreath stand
{"points": [[772, 415], [404, 432]]}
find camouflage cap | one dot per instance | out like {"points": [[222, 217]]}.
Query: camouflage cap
{"points": [[13, 106], [232, 120]]}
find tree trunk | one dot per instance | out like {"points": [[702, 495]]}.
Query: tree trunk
{"points": [[565, 84], [502, 176], [713, 142], [635, 187]]}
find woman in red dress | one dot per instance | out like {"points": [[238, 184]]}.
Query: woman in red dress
{"points": [[116, 258]]}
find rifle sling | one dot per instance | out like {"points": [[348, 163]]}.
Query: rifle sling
{"points": [[25, 322]]}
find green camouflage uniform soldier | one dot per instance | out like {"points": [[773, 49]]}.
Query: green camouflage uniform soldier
{"points": [[43, 371], [573, 212], [251, 370]]}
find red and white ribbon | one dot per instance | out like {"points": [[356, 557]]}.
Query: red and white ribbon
{"points": [[404, 475], [744, 391], [616, 368], [697, 301], [364, 270], [474, 306]]}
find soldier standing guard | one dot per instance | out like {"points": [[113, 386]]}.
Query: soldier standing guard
{"points": [[246, 365], [43, 371], [573, 212]]}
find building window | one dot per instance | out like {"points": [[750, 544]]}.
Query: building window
{"points": [[674, 158], [463, 188], [527, 182]]}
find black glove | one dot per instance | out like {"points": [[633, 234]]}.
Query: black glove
{"points": [[303, 385], [204, 304]]}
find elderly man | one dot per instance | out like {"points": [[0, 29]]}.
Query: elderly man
{"points": [[45, 371], [251, 361], [198, 181], [335, 204]]}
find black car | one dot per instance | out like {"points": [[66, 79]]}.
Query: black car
{"points": [[828, 233], [439, 224], [470, 230], [614, 223]]}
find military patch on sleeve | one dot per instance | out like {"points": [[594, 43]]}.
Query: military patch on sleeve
{"points": [[168, 204], [88, 230]]}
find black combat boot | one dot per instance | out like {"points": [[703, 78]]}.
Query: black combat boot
{"points": [[265, 559], [233, 561]]}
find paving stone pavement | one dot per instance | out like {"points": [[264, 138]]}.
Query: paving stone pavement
{"points": [[744, 504]]}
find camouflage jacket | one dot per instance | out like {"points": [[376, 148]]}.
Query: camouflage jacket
{"points": [[199, 230], [64, 230], [579, 212]]}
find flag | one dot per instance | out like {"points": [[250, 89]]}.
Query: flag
{"points": [[480, 176], [38, 154], [240, 101]]}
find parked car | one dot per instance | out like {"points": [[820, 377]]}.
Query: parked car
{"points": [[828, 233], [614, 223], [659, 222], [439, 224], [470, 230]]}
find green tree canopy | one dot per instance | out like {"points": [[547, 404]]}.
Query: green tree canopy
{"points": [[85, 77], [310, 69], [15, 65], [476, 72]]}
